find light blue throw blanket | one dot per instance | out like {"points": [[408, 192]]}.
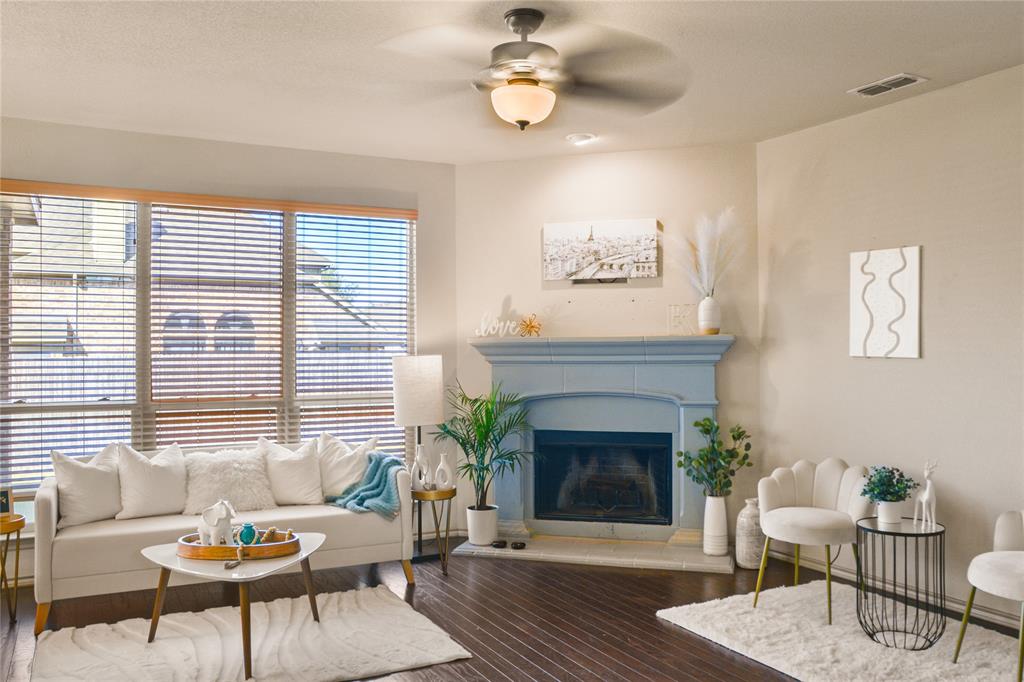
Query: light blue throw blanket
{"points": [[377, 492]]}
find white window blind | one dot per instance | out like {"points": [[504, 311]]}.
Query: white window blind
{"points": [[353, 314], [216, 303], [67, 328]]}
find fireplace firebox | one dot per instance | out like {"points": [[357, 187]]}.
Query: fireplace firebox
{"points": [[607, 476]]}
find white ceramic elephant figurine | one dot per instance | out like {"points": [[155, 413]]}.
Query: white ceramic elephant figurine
{"points": [[215, 524]]}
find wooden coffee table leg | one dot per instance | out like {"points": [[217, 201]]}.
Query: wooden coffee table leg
{"points": [[158, 603], [243, 602], [307, 576]]}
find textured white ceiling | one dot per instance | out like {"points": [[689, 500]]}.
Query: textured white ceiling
{"points": [[337, 76]]}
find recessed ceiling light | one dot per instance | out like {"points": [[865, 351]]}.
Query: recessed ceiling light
{"points": [[580, 139]]}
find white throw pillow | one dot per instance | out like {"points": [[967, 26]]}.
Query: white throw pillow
{"points": [[151, 486], [238, 476], [294, 475], [87, 487], [342, 465]]}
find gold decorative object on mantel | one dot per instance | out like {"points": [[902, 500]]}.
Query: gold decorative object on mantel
{"points": [[529, 326]]}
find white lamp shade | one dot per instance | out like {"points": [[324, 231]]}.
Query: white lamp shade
{"points": [[419, 389], [522, 103]]}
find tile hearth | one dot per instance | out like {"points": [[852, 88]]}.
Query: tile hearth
{"points": [[602, 552]]}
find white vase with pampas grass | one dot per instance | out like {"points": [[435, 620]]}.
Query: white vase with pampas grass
{"points": [[714, 246]]}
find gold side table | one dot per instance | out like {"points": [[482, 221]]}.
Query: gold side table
{"points": [[11, 523], [433, 497]]}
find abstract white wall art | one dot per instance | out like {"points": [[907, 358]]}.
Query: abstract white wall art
{"points": [[885, 303], [601, 249]]}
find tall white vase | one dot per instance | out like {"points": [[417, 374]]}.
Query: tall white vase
{"points": [[749, 538], [422, 475], [716, 527], [443, 477], [709, 316]]}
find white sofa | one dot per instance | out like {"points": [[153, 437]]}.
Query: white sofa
{"points": [[105, 557]]}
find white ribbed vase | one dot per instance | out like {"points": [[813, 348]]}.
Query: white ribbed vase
{"points": [[716, 527], [709, 316], [749, 538]]}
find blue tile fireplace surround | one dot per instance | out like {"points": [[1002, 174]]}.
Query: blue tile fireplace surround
{"points": [[611, 406]]}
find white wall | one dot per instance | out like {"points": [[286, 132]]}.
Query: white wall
{"points": [[501, 208], [943, 170]]}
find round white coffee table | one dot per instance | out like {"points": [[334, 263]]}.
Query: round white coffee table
{"points": [[166, 557]]}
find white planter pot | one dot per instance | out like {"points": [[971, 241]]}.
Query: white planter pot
{"points": [[716, 527], [709, 316], [483, 525], [749, 538], [889, 512]]}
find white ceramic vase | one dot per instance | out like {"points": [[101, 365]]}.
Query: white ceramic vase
{"points": [[709, 316], [889, 512], [749, 538], [483, 525], [716, 527], [422, 476], [443, 477]]}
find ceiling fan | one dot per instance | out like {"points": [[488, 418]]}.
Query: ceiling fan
{"points": [[525, 78]]}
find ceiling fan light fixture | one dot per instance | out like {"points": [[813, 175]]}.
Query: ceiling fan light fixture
{"points": [[522, 102]]}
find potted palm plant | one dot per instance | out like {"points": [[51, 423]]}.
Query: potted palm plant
{"points": [[480, 426], [713, 468]]}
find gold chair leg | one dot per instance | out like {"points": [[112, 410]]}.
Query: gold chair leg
{"points": [[796, 564], [407, 567], [42, 613], [963, 625], [760, 573], [828, 581]]}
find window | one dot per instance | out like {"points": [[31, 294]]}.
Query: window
{"points": [[184, 333], [353, 298], [67, 329], [236, 333], [260, 319]]}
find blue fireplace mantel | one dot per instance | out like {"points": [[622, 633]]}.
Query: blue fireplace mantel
{"points": [[657, 384]]}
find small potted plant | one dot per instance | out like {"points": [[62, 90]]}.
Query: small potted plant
{"points": [[480, 426], [888, 487], [713, 468]]}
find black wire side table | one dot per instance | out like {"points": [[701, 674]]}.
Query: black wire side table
{"points": [[901, 582]]}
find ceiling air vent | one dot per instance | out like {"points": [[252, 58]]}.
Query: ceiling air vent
{"points": [[900, 80]]}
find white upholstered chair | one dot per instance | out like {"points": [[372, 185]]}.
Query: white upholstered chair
{"points": [[812, 504], [1000, 572]]}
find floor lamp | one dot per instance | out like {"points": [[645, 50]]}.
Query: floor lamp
{"points": [[419, 402]]}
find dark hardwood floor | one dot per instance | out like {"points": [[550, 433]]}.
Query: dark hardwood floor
{"points": [[522, 620]]}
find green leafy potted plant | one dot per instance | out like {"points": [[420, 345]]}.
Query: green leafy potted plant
{"points": [[713, 468], [480, 426], [888, 487]]}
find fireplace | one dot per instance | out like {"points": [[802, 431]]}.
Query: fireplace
{"points": [[607, 476]]}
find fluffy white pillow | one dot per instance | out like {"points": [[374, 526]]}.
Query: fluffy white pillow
{"points": [[294, 475], [151, 486], [238, 476], [87, 487], [342, 465]]}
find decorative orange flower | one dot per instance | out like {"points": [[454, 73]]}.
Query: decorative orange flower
{"points": [[529, 326]]}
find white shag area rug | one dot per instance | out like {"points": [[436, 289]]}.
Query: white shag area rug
{"points": [[788, 631], [361, 633]]}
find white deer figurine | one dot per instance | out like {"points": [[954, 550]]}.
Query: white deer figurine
{"points": [[926, 498]]}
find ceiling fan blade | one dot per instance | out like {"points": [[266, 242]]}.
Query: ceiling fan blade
{"points": [[645, 96], [448, 42], [588, 50]]}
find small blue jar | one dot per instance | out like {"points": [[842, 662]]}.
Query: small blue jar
{"points": [[248, 534]]}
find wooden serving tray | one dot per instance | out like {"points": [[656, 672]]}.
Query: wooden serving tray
{"points": [[189, 548]]}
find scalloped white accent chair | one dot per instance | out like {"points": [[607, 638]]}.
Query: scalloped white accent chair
{"points": [[812, 504], [1000, 572]]}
